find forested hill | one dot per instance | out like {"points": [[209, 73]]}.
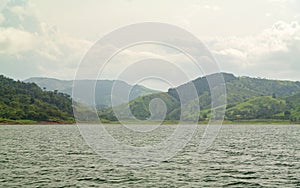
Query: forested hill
{"points": [[247, 99], [26, 102]]}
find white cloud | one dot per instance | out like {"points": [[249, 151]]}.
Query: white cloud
{"points": [[29, 47], [212, 7], [14, 41], [273, 50], [154, 58], [25, 40], [233, 52], [18, 10], [1, 18]]}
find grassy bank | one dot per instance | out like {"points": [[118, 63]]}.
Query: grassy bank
{"points": [[167, 122], [31, 122]]}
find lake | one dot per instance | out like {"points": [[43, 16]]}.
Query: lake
{"points": [[241, 156]]}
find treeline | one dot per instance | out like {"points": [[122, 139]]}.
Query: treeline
{"points": [[265, 107], [248, 99], [27, 101]]}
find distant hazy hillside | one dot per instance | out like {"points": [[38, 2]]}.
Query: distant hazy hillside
{"points": [[26, 101], [102, 90], [247, 99]]}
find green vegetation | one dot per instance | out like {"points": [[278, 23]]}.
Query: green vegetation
{"points": [[23, 103], [21, 121], [139, 107], [102, 90], [265, 107], [248, 100], [293, 108]]}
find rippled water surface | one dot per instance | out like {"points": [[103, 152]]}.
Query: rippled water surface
{"points": [[241, 156]]}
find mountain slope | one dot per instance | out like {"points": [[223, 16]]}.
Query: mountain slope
{"points": [[247, 98], [139, 107], [263, 107], [102, 90], [26, 101], [293, 108]]}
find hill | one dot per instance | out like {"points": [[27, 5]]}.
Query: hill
{"points": [[102, 90], [293, 107], [26, 102], [247, 99]]}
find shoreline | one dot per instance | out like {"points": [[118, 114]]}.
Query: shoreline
{"points": [[32, 122], [248, 122]]}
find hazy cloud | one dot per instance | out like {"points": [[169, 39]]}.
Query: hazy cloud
{"points": [[27, 42], [274, 53], [246, 37], [1, 18]]}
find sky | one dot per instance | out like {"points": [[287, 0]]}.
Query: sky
{"points": [[49, 38]]}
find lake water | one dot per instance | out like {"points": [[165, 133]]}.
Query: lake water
{"points": [[241, 156]]}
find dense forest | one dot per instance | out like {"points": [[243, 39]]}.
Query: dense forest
{"points": [[27, 103], [248, 99]]}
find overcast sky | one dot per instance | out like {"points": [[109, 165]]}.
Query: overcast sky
{"points": [[50, 37]]}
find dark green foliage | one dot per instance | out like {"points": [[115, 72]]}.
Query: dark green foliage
{"points": [[264, 107], [142, 111], [140, 107], [247, 99], [293, 108], [19, 100]]}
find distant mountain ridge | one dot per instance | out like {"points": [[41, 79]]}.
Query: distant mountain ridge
{"points": [[247, 98], [102, 90]]}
